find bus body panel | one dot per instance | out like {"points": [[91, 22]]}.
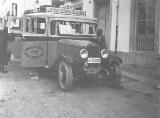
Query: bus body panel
{"points": [[52, 52], [34, 54], [16, 47]]}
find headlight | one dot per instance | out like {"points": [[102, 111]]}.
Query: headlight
{"points": [[104, 53], [84, 53]]}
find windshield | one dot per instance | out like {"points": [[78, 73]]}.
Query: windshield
{"points": [[74, 28]]}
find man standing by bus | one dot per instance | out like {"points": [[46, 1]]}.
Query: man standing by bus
{"points": [[4, 53]]}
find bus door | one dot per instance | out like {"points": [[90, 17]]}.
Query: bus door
{"points": [[34, 47], [52, 43]]}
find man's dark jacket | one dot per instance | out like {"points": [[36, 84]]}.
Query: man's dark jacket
{"points": [[4, 53]]}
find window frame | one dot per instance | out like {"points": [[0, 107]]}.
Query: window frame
{"points": [[133, 34], [33, 26], [57, 28]]}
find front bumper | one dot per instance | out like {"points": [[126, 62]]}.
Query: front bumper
{"points": [[92, 70], [98, 73], [95, 69]]}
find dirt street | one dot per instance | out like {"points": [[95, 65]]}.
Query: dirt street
{"points": [[23, 97]]}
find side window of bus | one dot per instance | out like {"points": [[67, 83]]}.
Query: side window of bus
{"points": [[53, 27], [33, 28], [27, 25], [41, 25], [91, 30], [20, 24]]}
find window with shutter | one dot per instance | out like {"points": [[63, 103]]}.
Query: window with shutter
{"points": [[145, 24]]}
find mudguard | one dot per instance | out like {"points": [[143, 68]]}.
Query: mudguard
{"points": [[114, 59], [68, 59], [110, 60]]}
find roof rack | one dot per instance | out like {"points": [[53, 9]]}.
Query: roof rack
{"points": [[64, 10]]}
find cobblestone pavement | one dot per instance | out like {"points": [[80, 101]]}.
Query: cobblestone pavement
{"points": [[22, 96]]}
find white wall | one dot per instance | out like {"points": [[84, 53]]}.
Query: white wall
{"points": [[124, 25], [88, 6]]}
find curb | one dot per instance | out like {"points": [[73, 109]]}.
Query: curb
{"points": [[140, 78]]}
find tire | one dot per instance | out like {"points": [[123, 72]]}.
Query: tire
{"points": [[116, 74], [65, 76]]}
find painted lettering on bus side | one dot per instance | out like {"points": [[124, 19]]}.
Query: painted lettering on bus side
{"points": [[34, 52]]}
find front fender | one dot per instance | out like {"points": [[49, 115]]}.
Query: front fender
{"points": [[111, 59], [68, 59], [114, 59]]}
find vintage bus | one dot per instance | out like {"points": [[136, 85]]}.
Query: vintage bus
{"points": [[65, 40]]}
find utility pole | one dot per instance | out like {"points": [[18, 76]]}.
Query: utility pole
{"points": [[117, 23]]}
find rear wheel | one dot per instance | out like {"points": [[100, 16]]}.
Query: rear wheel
{"points": [[116, 74], [65, 76]]}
